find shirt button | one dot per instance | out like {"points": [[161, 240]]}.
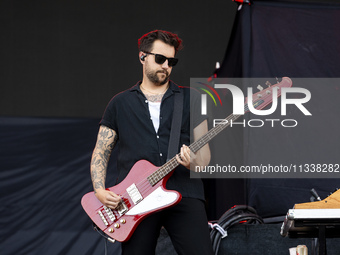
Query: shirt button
{"points": [[160, 154], [146, 101], [158, 136]]}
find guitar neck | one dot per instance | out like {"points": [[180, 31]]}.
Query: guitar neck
{"points": [[194, 147]]}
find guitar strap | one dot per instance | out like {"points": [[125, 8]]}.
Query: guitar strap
{"points": [[175, 125]]}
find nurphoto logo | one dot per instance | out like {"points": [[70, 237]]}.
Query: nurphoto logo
{"points": [[255, 103]]}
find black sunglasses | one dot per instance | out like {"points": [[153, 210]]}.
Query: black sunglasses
{"points": [[160, 59]]}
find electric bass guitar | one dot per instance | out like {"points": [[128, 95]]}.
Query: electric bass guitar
{"points": [[143, 190]]}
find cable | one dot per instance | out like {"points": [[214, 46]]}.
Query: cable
{"points": [[232, 217], [106, 238], [105, 247]]}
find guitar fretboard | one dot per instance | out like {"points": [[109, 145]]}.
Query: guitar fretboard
{"points": [[194, 147]]}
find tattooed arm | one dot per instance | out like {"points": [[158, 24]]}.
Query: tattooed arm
{"points": [[106, 140]]}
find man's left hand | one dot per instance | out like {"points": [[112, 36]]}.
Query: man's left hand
{"points": [[185, 156]]}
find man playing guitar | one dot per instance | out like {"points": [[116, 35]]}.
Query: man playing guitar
{"points": [[139, 120]]}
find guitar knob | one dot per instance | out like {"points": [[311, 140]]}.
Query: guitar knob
{"points": [[259, 87], [268, 83], [123, 221], [116, 225], [111, 230]]}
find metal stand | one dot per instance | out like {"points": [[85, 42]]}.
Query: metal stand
{"points": [[322, 240], [315, 223]]}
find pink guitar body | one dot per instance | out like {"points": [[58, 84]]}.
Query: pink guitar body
{"points": [[139, 199]]}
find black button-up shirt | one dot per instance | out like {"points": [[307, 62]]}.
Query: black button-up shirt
{"points": [[128, 114]]}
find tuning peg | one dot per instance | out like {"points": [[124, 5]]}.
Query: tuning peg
{"points": [[259, 87], [268, 83]]}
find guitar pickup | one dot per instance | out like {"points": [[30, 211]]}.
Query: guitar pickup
{"points": [[122, 208], [134, 194]]}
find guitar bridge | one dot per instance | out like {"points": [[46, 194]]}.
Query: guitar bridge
{"points": [[109, 213], [103, 218]]}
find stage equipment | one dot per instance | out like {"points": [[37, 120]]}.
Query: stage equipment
{"points": [[239, 214], [320, 219]]}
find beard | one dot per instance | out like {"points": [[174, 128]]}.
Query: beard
{"points": [[154, 78]]}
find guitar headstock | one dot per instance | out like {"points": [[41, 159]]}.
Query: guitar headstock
{"points": [[265, 96]]}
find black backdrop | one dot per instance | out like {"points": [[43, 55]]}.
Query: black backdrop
{"points": [[276, 39], [67, 58]]}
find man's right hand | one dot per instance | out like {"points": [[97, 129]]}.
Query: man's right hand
{"points": [[108, 198]]}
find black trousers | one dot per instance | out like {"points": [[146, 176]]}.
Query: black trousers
{"points": [[186, 224]]}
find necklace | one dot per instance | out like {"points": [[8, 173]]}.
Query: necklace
{"points": [[154, 92]]}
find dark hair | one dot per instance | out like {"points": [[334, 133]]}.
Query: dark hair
{"points": [[145, 43]]}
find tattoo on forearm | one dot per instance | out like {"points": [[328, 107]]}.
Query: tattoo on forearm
{"points": [[101, 155]]}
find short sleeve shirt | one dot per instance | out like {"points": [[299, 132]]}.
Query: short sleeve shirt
{"points": [[128, 115]]}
